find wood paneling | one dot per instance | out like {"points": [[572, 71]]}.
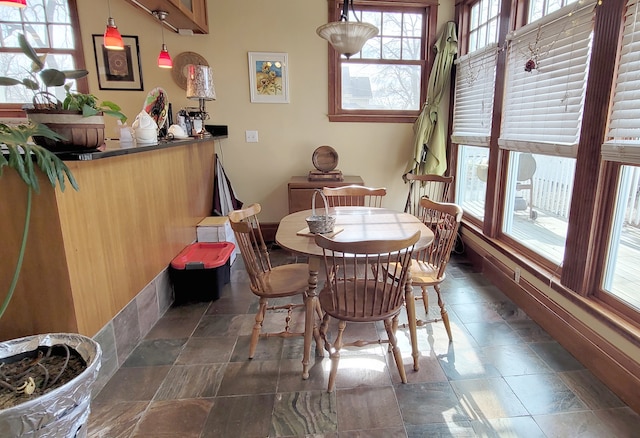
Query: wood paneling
{"points": [[90, 252]]}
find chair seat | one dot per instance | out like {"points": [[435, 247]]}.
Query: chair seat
{"points": [[374, 293], [284, 281], [424, 274]]}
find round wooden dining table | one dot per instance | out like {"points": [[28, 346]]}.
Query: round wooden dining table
{"points": [[352, 224]]}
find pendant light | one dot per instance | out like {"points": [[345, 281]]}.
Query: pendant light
{"points": [[347, 37], [16, 3], [112, 38], [164, 59]]}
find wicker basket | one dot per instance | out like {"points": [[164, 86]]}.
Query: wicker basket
{"points": [[320, 224]]}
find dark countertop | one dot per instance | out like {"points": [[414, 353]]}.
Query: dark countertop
{"points": [[114, 148]]}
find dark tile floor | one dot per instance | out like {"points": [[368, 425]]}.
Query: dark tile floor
{"points": [[503, 376]]}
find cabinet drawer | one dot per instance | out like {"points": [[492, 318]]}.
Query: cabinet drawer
{"points": [[301, 191]]}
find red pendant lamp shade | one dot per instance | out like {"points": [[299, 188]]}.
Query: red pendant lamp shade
{"points": [[112, 38], [16, 3], [164, 59]]}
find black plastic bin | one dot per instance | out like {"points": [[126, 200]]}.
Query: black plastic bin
{"points": [[200, 271]]}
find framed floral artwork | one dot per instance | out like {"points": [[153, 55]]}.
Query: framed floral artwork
{"points": [[269, 77], [118, 69]]}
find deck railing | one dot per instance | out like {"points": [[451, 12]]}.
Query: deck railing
{"points": [[552, 185]]}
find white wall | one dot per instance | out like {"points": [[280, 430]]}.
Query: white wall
{"points": [[289, 133]]}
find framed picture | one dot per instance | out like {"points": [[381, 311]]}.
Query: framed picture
{"points": [[269, 77], [118, 69]]}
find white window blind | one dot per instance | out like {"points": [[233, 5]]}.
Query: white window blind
{"points": [[473, 108], [622, 142], [542, 109]]}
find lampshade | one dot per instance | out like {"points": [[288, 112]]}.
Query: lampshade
{"points": [[164, 59], [200, 82], [16, 3], [347, 37], [112, 38]]}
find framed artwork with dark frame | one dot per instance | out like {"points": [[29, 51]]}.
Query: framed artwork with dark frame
{"points": [[118, 69]]}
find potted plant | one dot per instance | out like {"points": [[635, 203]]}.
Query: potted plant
{"points": [[50, 392], [78, 119]]}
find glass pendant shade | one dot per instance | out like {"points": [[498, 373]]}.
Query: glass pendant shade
{"points": [[347, 37], [112, 37], [16, 3], [164, 59]]}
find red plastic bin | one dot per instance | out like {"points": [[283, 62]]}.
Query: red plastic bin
{"points": [[200, 271]]}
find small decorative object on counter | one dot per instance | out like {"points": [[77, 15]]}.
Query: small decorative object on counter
{"points": [[176, 133], [145, 128], [125, 134], [320, 224]]}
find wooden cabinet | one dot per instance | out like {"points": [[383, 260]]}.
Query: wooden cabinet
{"points": [[301, 190], [183, 14]]}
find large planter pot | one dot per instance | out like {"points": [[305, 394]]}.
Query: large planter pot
{"points": [[81, 133], [62, 412]]}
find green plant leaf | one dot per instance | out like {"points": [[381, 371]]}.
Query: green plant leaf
{"points": [[8, 81], [30, 52], [116, 114], [21, 154], [75, 74], [16, 163], [111, 105], [30, 84], [88, 111], [52, 77]]}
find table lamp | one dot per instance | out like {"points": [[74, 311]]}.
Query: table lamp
{"points": [[200, 87]]}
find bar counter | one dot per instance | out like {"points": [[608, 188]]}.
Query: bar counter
{"points": [[91, 251]]}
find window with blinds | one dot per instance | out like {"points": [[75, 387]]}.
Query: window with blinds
{"points": [[622, 142], [475, 85], [542, 110]]}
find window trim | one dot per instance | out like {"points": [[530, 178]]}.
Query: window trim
{"points": [[335, 112], [14, 110]]}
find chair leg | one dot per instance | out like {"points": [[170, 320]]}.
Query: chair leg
{"points": [[397, 355], [257, 327], [443, 313], [316, 332], [323, 332], [425, 300], [334, 353]]}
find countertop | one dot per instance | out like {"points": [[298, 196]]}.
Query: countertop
{"points": [[114, 148]]}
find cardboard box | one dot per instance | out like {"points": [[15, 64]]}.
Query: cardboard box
{"points": [[217, 229]]}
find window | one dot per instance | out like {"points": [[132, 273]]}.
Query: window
{"points": [[473, 109], [387, 79], [483, 28], [621, 277], [49, 26], [472, 173], [538, 197], [622, 145], [547, 64], [540, 8]]}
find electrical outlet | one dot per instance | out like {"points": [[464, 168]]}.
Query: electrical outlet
{"points": [[516, 275], [251, 136]]}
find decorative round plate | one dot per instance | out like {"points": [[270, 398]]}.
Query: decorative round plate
{"points": [[156, 105], [180, 62], [325, 158]]}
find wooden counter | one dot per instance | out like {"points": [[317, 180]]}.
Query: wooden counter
{"points": [[90, 252]]}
